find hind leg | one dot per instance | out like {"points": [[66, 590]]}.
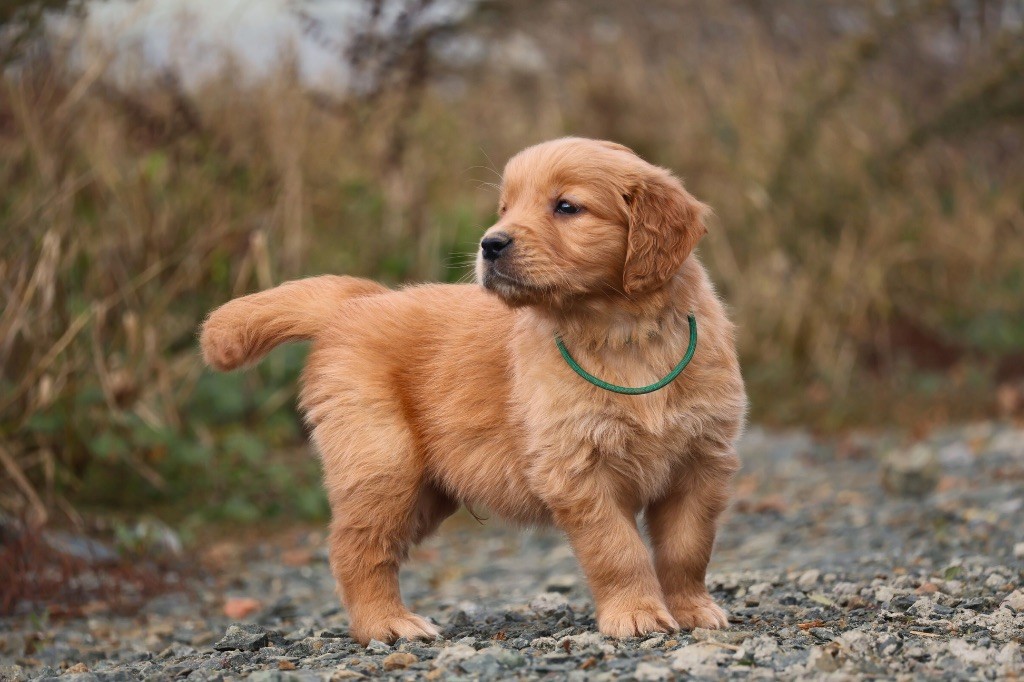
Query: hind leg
{"points": [[380, 506]]}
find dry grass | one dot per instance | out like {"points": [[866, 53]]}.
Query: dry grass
{"points": [[868, 233]]}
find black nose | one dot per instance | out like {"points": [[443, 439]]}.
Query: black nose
{"points": [[493, 246]]}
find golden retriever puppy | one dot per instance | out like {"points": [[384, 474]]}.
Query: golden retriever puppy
{"points": [[433, 396]]}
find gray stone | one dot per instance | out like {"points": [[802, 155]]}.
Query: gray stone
{"points": [[651, 672], [378, 647], [911, 473], [244, 637]]}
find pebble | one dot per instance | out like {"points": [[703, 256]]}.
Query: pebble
{"points": [[698, 660], [399, 660], [243, 636], [911, 473], [548, 602], [808, 579], [1015, 601], [378, 647], [650, 671]]}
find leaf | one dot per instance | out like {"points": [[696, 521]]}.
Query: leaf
{"points": [[108, 445], [250, 447]]}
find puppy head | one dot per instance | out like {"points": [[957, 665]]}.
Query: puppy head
{"points": [[580, 218]]}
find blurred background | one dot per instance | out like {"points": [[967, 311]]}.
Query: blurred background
{"points": [[159, 157]]}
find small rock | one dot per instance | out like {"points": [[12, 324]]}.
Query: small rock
{"points": [[968, 653], [1015, 601], [808, 579], [650, 671], [1018, 550], [1010, 658], [825, 659], [995, 581], [243, 637], [911, 473], [378, 647], [586, 643], [699, 660], [723, 636], [888, 645], [824, 634], [453, 655], [240, 608], [653, 642], [399, 660], [345, 674], [927, 588], [459, 618], [884, 593], [543, 643], [77, 668], [14, 673], [548, 603], [285, 664]]}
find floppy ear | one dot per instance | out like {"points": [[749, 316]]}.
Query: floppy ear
{"points": [[665, 223]]}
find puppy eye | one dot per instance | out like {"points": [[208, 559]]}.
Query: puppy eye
{"points": [[566, 208]]}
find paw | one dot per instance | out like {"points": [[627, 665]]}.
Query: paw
{"points": [[389, 628], [699, 612], [636, 620]]}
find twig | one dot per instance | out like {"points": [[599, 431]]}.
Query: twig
{"points": [[19, 478]]}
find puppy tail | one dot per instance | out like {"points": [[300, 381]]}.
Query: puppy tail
{"points": [[242, 331]]}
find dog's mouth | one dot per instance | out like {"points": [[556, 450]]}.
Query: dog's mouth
{"points": [[511, 288]]}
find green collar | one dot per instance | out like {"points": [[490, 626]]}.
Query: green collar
{"points": [[625, 389]]}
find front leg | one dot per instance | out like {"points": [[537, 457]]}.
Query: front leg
{"points": [[682, 526], [615, 560]]}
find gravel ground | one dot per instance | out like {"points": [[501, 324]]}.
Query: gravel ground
{"points": [[828, 563]]}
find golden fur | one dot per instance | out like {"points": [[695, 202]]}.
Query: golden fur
{"points": [[433, 396]]}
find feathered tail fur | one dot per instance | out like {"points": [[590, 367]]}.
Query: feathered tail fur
{"points": [[242, 331]]}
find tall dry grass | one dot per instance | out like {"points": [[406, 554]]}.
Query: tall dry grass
{"points": [[868, 229]]}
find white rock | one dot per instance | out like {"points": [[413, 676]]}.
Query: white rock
{"points": [[653, 642], [548, 602], [968, 653], [648, 671], [953, 587], [757, 589], [808, 579], [699, 660], [884, 594], [544, 643], [454, 654], [824, 659], [911, 473], [763, 648], [591, 642], [1018, 550], [857, 641], [1010, 658], [1015, 601], [843, 589], [995, 580], [923, 607]]}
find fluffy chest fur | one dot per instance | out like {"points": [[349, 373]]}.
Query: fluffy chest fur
{"points": [[633, 443]]}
